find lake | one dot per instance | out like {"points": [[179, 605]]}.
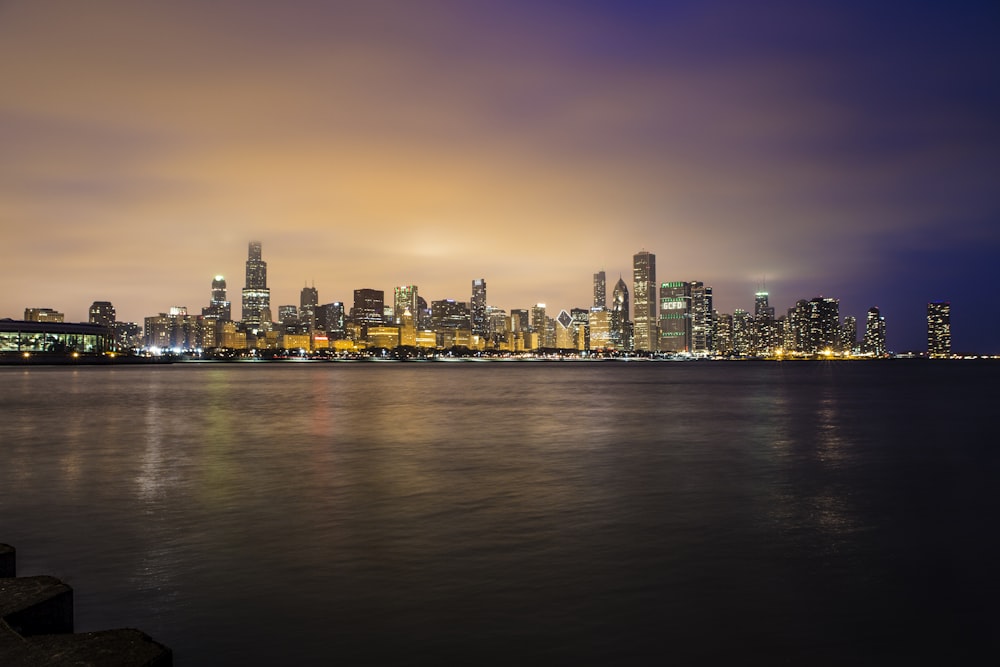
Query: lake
{"points": [[521, 512]]}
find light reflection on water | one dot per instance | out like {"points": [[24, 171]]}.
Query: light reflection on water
{"points": [[381, 514]]}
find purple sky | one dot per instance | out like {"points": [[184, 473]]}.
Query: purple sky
{"points": [[831, 148]]}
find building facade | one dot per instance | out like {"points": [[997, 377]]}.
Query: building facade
{"points": [[644, 300]]}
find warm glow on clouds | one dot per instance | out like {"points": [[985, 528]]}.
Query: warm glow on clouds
{"points": [[379, 143]]}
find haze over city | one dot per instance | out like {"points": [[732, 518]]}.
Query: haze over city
{"points": [[832, 149]]}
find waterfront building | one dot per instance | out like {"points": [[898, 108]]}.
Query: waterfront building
{"points": [[742, 332], [644, 301], [477, 307], [939, 329], [101, 313], [174, 330], [43, 315], [368, 308], [537, 318], [849, 335], [675, 317], [218, 309], [330, 318], [875, 333], [449, 314], [722, 340], [824, 325], [37, 336], [288, 315], [520, 320], [621, 326], [600, 290], [761, 306], [308, 303], [405, 298], [702, 318], [256, 295], [581, 324], [232, 337], [599, 324], [383, 336]]}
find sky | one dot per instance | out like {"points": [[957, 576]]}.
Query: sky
{"points": [[839, 149]]}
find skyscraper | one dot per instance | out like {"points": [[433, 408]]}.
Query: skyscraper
{"points": [[477, 307], [939, 329], [621, 326], [256, 295], [824, 325], [405, 298], [702, 318], [875, 333], [102, 313], [675, 316], [218, 309], [308, 303], [644, 298], [368, 307], [600, 290]]}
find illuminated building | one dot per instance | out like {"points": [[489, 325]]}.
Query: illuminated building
{"points": [[31, 336], [621, 326], [383, 336], [101, 313], [449, 314], [722, 339], [218, 308], [599, 324], [538, 318], [330, 318], [742, 332], [797, 327], [939, 329], [875, 333], [368, 307], [308, 302], [702, 318], [824, 325], [761, 307], [520, 320], [407, 329], [581, 323], [600, 290], [675, 317], [644, 301], [565, 330], [498, 325], [297, 341], [405, 298], [232, 337], [477, 307], [256, 295], [288, 315], [174, 330], [849, 335], [43, 315]]}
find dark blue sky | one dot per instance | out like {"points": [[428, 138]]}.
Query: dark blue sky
{"points": [[831, 148]]}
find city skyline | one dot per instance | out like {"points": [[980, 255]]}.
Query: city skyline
{"points": [[834, 150]]}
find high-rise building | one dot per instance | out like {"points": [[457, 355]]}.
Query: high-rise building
{"points": [[722, 339], [702, 318], [824, 325], [538, 318], [308, 302], [477, 307], [449, 314], [761, 307], [102, 313], [405, 298], [43, 315], [330, 318], [621, 326], [256, 295], [218, 309], [875, 333], [939, 329], [742, 332], [849, 335], [368, 307], [600, 290], [675, 317], [644, 301]]}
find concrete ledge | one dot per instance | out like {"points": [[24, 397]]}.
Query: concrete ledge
{"points": [[36, 628]]}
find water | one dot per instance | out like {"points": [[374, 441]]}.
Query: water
{"points": [[545, 513]]}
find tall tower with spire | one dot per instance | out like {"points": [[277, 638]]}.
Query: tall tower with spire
{"points": [[256, 295]]}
